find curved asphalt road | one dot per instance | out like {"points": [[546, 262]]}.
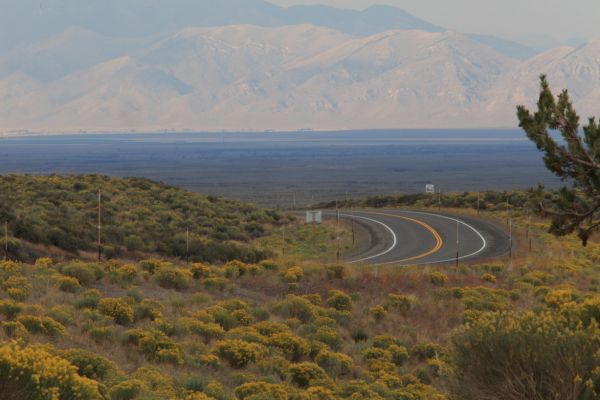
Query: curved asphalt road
{"points": [[419, 238]]}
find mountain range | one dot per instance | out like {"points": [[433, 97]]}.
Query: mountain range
{"points": [[270, 68]]}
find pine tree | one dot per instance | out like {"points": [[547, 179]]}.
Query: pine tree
{"points": [[575, 159]]}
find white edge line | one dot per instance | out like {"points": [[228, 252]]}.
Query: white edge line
{"points": [[380, 223], [456, 220]]}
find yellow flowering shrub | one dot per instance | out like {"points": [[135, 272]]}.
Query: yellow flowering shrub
{"points": [[42, 325], [399, 303], [10, 309], [339, 300], [239, 353], [261, 390], [487, 350], [44, 262], [305, 373], [17, 287], [118, 309], [293, 275], [33, 373], [378, 313], [292, 347], [438, 278], [335, 364], [68, 284]]}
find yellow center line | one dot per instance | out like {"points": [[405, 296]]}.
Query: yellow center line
{"points": [[439, 242]]}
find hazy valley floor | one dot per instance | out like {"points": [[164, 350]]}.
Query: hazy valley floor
{"points": [[280, 168]]}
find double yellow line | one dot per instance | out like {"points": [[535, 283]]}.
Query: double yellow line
{"points": [[439, 242]]}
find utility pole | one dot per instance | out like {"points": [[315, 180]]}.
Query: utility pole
{"points": [[337, 257], [99, 226], [440, 200], [457, 240], [507, 209], [5, 239], [283, 241], [353, 234], [528, 235], [187, 245], [510, 240], [478, 201]]}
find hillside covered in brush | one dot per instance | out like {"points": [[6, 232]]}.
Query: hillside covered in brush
{"points": [[138, 217]]}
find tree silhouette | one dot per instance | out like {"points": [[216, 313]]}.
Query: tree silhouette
{"points": [[575, 159]]}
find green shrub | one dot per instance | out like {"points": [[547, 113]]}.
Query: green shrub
{"points": [[269, 328], [378, 313], [68, 284], [90, 364], [102, 334], [10, 309], [335, 364], [335, 271], [293, 275], [127, 273], [43, 326], [296, 307], [304, 374], [216, 283], [502, 351], [239, 353], [292, 347], [155, 345], [399, 354], [329, 336], [173, 278], [200, 271], [152, 265], [86, 274], [118, 309], [62, 314], [147, 309], [485, 299], [261, 390], [438, 278], [89, 299], [18, 288], [399, 303], [426, 351], [14, 330], [127, 390], [206, 330], [269, 265], [339, 300]]}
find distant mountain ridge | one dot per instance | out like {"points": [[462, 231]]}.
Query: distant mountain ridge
{"points": [[246, 77], [28, 21]]}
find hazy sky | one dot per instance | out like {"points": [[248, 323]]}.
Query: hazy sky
{"points": [[513, 19]]}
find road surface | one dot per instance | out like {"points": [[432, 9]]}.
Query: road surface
{"points": [[419, 238]]}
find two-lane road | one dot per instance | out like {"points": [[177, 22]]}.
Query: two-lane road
{"points": [[418, 238]]}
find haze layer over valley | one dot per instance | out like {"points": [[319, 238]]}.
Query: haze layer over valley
{"points": [[283, 75]]}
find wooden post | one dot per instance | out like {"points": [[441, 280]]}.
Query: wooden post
{"points": [[99, 226]]}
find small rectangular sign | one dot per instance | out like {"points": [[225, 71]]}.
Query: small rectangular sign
{"points": [[314, 217], [430, 189]]}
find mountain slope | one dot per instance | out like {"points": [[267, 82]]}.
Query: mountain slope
{"points": [[28, 21], [244, 77]]}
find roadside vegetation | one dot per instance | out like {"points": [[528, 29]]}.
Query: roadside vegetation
{"points": [[287, 329]]}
